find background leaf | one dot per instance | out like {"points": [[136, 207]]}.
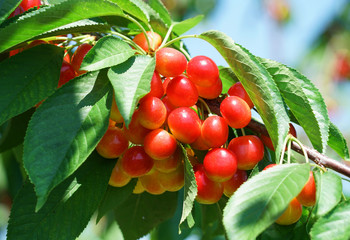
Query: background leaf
{"points": [[133, 7], [159, 7], [107, 52], [7, 7], [335, 225], [186, 25], [140, 213], [65, 129], [258, 83], [262, 199], [304, 100], [68, 208], [131, 80], [227, 77], [329, 192], [24, 85], [337, 142]]}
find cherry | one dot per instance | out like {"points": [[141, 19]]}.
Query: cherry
{"points": [[208, 191], [138, 187], [184, 124], [220, 164], [151, 183], [202, 71], [115, 113], [157, 89], [173, 181], [238, 90], [113, 143], [19, 10], [211, 92], [182, 92], [166, 82], [267, 140], [154, 39], [249, 151], [118, 178], [235, 111], [199, 144], [136, 162], [67, 73], [135, 132], [307, 196], [152, 112], [27, 4], [269, 166], [170, 62], [159, 144], [214, 131], [292, 214], [168, 105], [170, 164], [231, 185], [78, 57]]}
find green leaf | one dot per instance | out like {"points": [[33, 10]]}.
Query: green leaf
{"points": [[113, 197], [337, 142], [6, 8], [65, 129], [335, 225], [68, 208], [159, 7], [24, 85], [183, 26], [131, 80], [262, 199], [140, 213], [304, 100], [108, 51], [134, 8], [227, 77], [51, 17], [258, 83], [329, 192], [190, 192]]}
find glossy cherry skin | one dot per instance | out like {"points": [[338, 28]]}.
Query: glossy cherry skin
{"points": [[211, 92], [182, 92], [208, 191], [118, 177], [238, 90], [269, 166], [113, 143], [214, 131], [157, 89], [231, 185], [154, 39], [249, 150], [135, 132], [166, 82], [173, 181], [159, 144], [170, 62], [152, 112], [292, 214], [220, 164], [78, 57], [267, 140], [151, 183], [168, 105], [136, 162], [27, 4], [235, 111], [171, 163], [307, 196], [202, 71], [67, 73], [184, 124], [199, 144]]}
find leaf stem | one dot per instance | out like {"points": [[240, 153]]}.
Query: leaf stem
{"points": [[284, 148], [167, 36], [301, 146]]}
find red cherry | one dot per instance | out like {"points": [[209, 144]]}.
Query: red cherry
{"points": [[307, 196], [113, 143], [166, 82], [211, 92], [208, 191], [78, 57], [292, 214], [156, 86], [170, 164], [170, 62], [154, 39], [152, 112], [199, 144], [238, 90], [231, 185], [182, 92], [267, 140], [235, 111], [202, 71], [220, 164], [118, 177], [184, 124], [169, 107], [19, 10], [269, 166], [27, 4], [135, 132], [159, 144], [136, 162], [249, 150], [214, 131], [67, 73]]}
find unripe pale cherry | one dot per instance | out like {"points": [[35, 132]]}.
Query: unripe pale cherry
{"points": [[118, 177], [292, 214], [173, 181], [235, 111], [202, 71], [151, 183], [159, 144], [136, 162], [170, 62], [113, 143], [170, 164], [154, 39], [182, 92], [115, 114]]}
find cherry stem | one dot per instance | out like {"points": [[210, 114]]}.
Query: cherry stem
{"points": [[243, 131], [323, 169], [129, 41], [177, 39], [167, 36], [205, 105], [301, 146], [289, 150], [141, 27], [286, 140]]}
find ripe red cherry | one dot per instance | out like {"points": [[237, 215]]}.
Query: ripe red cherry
{"points": [[67, 73], [113, 143], [157, 89], [182, 92], [136, 162], [235, 111], [231, 185], [211, 92], [238, 90], [267, 140], [202, 71], [118, 177], [152, 112], [154, 39], [269, 166], [135, 132], [220, 164], [170, 164], [27, 4], [78, 57], [249, 151], [292, 214], [169, 107], [184, 124], [307, 196], [199, 144], [166, 82], [170, 62], [159, 144], [208, 191], [214, 131], [19, 10]]}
